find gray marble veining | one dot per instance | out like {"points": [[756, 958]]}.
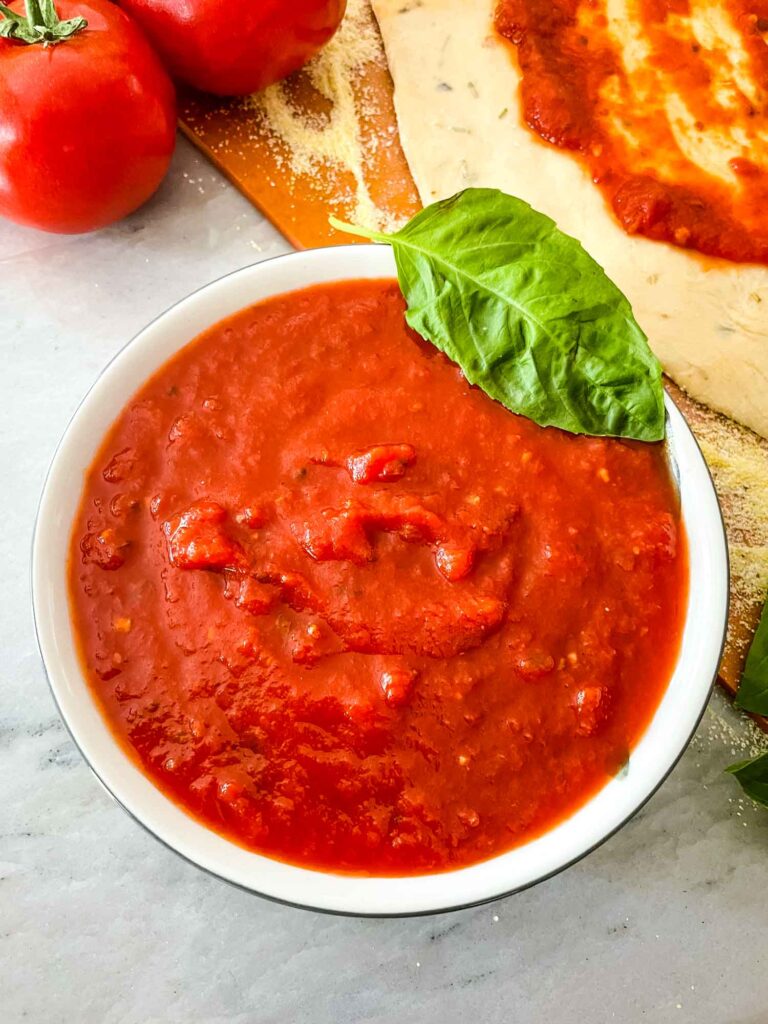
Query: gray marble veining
{"points": [[99, 924]]}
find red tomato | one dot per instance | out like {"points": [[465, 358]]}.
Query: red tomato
{"points": [[235, 47], [87, 126]]}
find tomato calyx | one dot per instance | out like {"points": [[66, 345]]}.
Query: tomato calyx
{"points": [[39, 24]]}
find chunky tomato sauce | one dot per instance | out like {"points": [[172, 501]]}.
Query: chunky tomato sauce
{"points": [[665, 101], [354, 614]]}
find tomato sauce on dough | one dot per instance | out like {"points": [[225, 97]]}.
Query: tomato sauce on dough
{"points": [[664, 101], [350, 612]]}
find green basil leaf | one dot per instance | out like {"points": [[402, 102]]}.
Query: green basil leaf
{"points": [[753, 688], [527, 314], [753, 777]]}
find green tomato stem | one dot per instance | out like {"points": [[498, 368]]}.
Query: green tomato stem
{"points": [[39, 25], [355, 229]]}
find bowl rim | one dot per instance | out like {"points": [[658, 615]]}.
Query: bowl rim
{"points": [[342, 894]]}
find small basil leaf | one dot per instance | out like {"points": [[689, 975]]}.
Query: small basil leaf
{"points": [[753, 688], [753, 777], [527, 314]]}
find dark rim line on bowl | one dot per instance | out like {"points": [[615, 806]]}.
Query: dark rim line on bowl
{"points": [[303, 906]]}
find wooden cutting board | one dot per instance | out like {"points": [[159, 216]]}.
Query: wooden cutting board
{"points": [[738, 461], [326, 141]]}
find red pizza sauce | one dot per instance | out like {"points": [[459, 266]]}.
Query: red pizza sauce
{"points": [[352, 613], [664, 101]]}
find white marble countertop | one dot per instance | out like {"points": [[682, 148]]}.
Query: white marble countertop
{"points": [[668, 921]]}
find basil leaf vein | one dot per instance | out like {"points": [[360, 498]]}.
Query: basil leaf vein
{"points": [[527, 314]]}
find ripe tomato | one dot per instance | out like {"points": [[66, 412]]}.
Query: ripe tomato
{"points": [[235, 47], [87, 123]]}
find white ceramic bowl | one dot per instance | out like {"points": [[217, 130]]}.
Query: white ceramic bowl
{"points": [[651, 761]]}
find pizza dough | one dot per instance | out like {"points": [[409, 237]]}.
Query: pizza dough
{"points": [[457, 109]]}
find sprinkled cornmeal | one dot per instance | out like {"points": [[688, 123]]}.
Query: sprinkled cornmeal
{"points": [[722, 726], [333, 135], [738, 461]]}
